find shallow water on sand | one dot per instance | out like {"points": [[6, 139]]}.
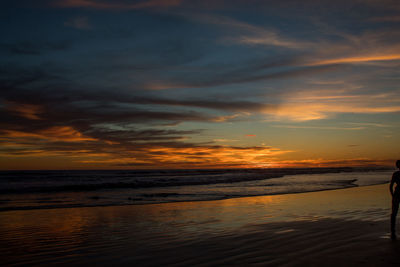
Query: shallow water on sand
{"points": [[126, 234]]}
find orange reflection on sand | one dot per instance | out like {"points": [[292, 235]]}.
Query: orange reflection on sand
{"points": [[104, 235], [37, 227]]}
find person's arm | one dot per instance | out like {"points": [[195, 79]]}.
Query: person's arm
{"points": [[391, 184]]}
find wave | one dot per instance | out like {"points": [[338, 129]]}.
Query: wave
{"points": [[14, 182], [152, 189], [163, 198]]}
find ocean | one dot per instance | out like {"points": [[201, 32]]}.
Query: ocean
{"points": [[26, 190]]}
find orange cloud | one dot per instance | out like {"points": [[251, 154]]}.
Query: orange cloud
{"points": [[315, 111], [28, 111], [352, 162], [197, 157], [56, 133], [62, 153], [225, 118], [315, 105], [227, 157], [65, 133], [250, 135], [354, 60]]}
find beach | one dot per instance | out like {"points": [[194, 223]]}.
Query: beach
{"points": [[344, 227]]}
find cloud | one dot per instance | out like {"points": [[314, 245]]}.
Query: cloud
{"points": [[225, 140], [121, 5], [134, 148], [355, 60], [367, 47], [95, 128], [248, 74], [118, 134], [66, 106], [316, 105], [369, 124], [319, 127], [240, 105], [246, 33], [351, 162], [226, 118], [113, 130], [81, 23], [34, 48], [28, 111], [198, 156], [395, 18], [56, 133]]}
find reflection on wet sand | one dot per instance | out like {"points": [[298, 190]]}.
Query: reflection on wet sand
{"points": [[105, 234]]}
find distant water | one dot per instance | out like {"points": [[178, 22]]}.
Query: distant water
{"points": [[58, 189]]}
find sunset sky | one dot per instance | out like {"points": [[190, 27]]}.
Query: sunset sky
{"points": [[101, 84]]}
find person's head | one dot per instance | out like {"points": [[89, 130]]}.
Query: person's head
{"points": [[398, 164]]}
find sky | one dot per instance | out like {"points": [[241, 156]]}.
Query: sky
{"points": [[101, 84]]}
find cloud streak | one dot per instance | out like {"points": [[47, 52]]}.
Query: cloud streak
{"points": [[81, 23], [246, 33], [316, 105], [119, 5], [355, 60]]}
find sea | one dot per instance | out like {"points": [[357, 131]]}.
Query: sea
{"points": [[26, 190]]}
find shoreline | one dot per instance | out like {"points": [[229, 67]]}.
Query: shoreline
{"points": [[180, 201], [362, 168]]}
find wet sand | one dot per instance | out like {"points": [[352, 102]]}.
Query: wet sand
{"points": [[347, 227]]}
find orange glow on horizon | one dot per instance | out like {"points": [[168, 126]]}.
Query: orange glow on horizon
{"points": [[199, 157]]}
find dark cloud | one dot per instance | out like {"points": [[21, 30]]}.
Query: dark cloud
{"points": [[32, 48], [118, 5], [142, 135], [64, 101], [41, 113], [203, 103], [247, 75]]}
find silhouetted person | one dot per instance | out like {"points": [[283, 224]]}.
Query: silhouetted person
{"points": [[395, 199]]}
